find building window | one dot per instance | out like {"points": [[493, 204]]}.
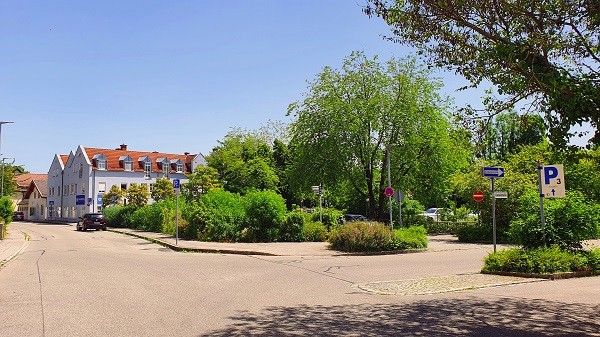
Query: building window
{"points": [[128, 165], [180, 168], [124, 186], [101, 164], [80, 171], [66, 190], [101, 187], [147, 169]]}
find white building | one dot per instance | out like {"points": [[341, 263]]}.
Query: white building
{"points": [[33, 204], [76, 182]]}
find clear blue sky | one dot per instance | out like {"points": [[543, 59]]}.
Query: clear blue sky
{"points": [[168, 76]]}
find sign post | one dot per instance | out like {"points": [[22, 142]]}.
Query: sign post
{"points": [[492, 173], [177, 191], [552, 185], [399, 197]]}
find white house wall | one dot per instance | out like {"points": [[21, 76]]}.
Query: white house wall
{"points": [[62, 206]]}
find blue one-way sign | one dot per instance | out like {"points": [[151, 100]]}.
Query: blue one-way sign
{"points": [[493, 172]]}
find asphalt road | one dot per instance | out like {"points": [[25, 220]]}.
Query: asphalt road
{"points": [[69, 283]]}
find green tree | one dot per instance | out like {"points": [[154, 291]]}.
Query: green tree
{"points": [[545, 52], [203, 180], [244, 162], [6, 210], [114, 196], [162, 189], [351, 117], [137, 195], [8, 184]]}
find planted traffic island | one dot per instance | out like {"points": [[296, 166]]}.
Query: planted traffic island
{"points": [[551, 262], [365, 237]]}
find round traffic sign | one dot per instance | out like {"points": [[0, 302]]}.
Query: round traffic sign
{"points": [[478, 196], [388, 191]]}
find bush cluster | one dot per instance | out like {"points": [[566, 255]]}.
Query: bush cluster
{"points": [[569, 221], [475, 233], [376, 237], [258, 216], [542, 260]]}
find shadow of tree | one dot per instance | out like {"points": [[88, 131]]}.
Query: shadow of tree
{"points": [[443, 317]]}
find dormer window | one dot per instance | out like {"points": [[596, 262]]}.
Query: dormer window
{"points": [[99, 161], [126, 163], [164, 165], [177, 165], [146, 165]]}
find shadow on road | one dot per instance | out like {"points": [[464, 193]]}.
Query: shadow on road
{"points": [[444, 317]]}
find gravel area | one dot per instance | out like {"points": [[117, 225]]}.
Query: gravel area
{"points": [[442, 284]]}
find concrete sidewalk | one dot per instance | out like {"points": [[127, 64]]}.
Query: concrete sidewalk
{"points": [[436, 243], [13, 244]]}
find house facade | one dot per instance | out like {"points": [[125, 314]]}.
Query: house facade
{"points": [[34, 204], [76, 182]]}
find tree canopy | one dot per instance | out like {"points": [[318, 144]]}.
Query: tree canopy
{"points": [[351, 117], [546, 52]]}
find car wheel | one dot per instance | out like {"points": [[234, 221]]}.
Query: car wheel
{"points": [[77, 227], [103, 228], [83, 227]]}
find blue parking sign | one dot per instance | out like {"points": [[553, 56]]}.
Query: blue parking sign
{"points": [[176, 183]]}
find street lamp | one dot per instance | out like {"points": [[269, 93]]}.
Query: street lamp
{"points": [[1, 123]]}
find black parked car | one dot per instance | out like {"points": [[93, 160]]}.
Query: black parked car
{"points": [[18, 216], [354, 217], [91, 220]]}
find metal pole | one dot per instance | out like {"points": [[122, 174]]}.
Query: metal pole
{"points": [[493, 215], [543, 218], [2, 192], [321, 203], [389, 176], [177, 220]]}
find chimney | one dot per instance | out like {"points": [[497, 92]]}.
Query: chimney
{"points": [[124, 147], [186, 153]]}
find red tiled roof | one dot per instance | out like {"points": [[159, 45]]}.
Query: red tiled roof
{"points": [[113, 156], [64, 158], [23, 180]]}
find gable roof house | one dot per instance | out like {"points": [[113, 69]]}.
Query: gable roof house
{"points": [[23, 181], [76, 182], [33, 204]]}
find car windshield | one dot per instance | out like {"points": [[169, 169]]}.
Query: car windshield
{"points": [[431, 210], [96, 217]]}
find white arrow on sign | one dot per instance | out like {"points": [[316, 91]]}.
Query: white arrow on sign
{"points": [[493, 172]]}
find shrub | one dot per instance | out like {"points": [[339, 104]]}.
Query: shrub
{"points": [[292, 226], [411, 238], [443, 227], [411, 213], [362, 237], [6, 210], [569, 221], [540, 260], [265, 211], [118, 216], [148, 218], [218, 216], [473, 232], [593, 257], [330, 216], [314, 231]]}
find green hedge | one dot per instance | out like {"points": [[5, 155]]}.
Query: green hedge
{"points": [[542, 260], [376, 237]]}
